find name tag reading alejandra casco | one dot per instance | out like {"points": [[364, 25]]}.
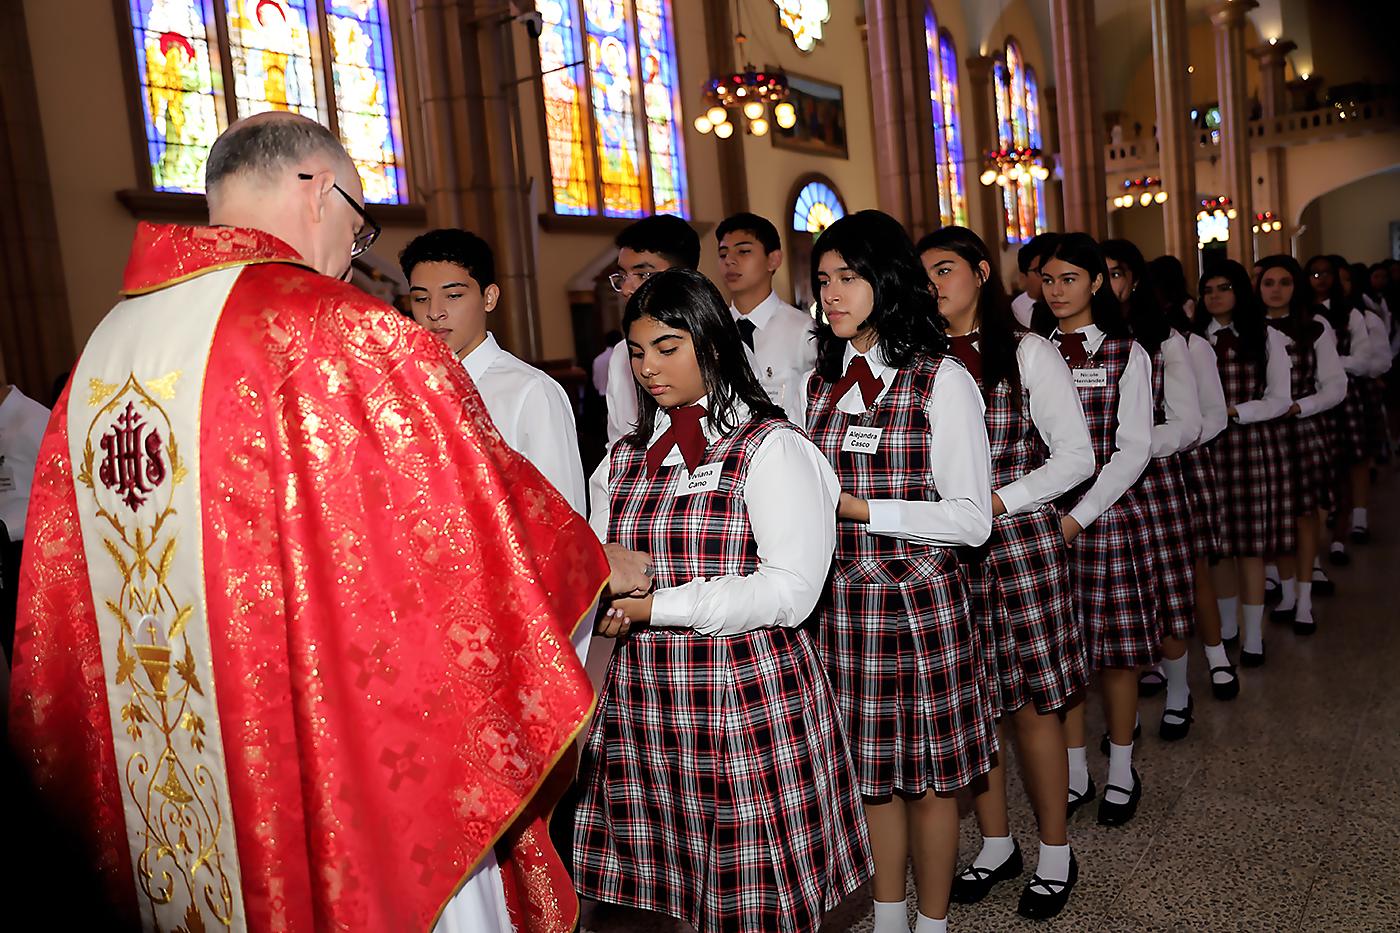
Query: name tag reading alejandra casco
{"points": [[704, 479], [1091, 377], [861, 440]]}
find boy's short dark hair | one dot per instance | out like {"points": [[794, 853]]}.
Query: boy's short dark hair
{"points": [[449, 244], [745, 222], [667, 236], [1037, 247]]}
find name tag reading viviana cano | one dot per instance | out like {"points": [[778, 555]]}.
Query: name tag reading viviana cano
{"points": [[861, 440], [1094, 377], [704, 479]]}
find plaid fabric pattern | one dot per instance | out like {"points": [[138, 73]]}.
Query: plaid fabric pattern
{"points": [[1251, 467], [717, 786], [1163, 492], [1305, 439], [1112, 565], [1373, 406], [896, 631], [1348, 420], [1203, 500]]}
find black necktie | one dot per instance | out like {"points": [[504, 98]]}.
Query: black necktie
{"points": [[746, 329]]}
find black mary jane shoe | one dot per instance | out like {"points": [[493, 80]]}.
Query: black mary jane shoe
{"points": [[973, 883], [1304, 628], [1283, 616], [1105, 741], [1116, 814], [1323, 586], [1078, 800], [1361, 536], [1231, 641], [1179, 725], [1042, 899], [1273, 593], [1251, 659], [1230, 688], [1151, 682], [1338, 558]]}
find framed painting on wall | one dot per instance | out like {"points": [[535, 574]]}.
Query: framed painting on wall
{"points": [[821, 118]]}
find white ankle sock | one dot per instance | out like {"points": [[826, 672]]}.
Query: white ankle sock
{"points": [[892, 916], [1304, 612], [1120, 771], [1216, 657], [1178, 690], [930, 925], [1229, 615], [1271, 574], [1253, 637], [1358, 519], [1078, 769], [1290, 594], [1054, 863], [995, 851], [1338, 547]]}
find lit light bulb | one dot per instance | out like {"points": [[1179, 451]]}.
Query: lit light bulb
{"points": [[741, 92], [1256, 228], [1219, 212], [1042, 172], [1278, 225], [1161, 197], [786, 115], [703, 124], [753, 109], [989, 177], [1003, 180], [1200, 215], [717, 115], [724, 130], [1015, 173], [1232, 213], [1145, 199], [759, 127]]}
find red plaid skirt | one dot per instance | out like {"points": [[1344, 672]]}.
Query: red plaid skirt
{"points": [[1252, 472], [1350, 431], [716, 784], [1112, 575], [1280, 433], [1019, 584], [1163, 493], [1310, 451], [905, 662], [1203, 500], [1377, 431]]}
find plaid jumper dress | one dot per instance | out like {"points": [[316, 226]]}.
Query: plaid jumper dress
{"points": [[1202, 495], [1251, 466], [716, 783], [896, 629], [1163, 492], [1019, 582], [1307, 443], [1350, 430], [1112, 566]]}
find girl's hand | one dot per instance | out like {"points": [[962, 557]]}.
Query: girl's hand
{"points": [[1295, 410], [1231, 412], [613, 624], [1070, 529], [634, 608], [998, 507], [853, 509]]}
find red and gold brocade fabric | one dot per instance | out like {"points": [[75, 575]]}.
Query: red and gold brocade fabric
{"points": [[391, 592]]}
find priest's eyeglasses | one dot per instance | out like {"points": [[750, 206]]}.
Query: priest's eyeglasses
{"points": [[369, 229]]}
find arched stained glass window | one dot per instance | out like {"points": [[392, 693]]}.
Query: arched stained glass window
{"points": [[1018, 126], [947, 120], [330, 60], [817, 207], [613, 128]]}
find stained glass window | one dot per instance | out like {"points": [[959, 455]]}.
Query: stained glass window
{"points": [[278, 60], [817, 207], [1018, 126], [614, 131], [947, 120]]}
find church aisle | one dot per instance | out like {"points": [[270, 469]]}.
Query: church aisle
{"points": [[1279, 812]]}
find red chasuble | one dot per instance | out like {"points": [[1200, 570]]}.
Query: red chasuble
{"points": [[294, 632]]}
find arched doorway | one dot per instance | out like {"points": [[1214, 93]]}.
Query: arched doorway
{"points": [[816, 205]]}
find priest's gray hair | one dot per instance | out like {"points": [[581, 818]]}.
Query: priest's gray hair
{"points": [[266, 145]]}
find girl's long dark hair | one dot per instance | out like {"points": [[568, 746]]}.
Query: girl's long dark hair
{"points": [[1144, 314], [1169, 277], [1301, 324], [1000, 332], [686, 300], [1247, 318], [1079, 249], [1338, 308], [905, 316]]}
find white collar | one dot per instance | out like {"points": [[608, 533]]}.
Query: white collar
{"points": [[875, 358], [480, 359], [762, 313], [1215, 326], [1091, 332]]}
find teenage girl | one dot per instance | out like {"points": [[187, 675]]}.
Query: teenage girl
{"points": [[1378, 325]]}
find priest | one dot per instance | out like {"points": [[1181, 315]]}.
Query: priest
{"points": [[296, 635]]}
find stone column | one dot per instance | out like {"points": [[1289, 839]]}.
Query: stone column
{"points": [[1073, 36], [1273, 103], [1176, 142], [1050, 134], [1228, 18], [906, 180], [983, 136]]}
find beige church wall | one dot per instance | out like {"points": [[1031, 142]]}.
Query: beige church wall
{"points": [[1140, 101], [1353, 220]]}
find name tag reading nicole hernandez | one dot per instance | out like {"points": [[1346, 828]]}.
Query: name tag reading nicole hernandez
{"points": [[1093, 377], [704, 479], [859, 440]]}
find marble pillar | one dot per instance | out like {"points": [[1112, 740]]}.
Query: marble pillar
{"points": [[1074, 39], [1228, 20], [1176, 142]]}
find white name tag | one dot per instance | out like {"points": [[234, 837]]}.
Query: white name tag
{"points": [[704, 479], [1091, 378], [861, 440]]}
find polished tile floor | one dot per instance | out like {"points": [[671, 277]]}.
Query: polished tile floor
{"points": [[1280, 811]]}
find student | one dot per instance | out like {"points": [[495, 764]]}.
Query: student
{"points": [[901, 421], [718, 788], [1028, 260], [1040, 450], [1112, 568], [1317, 384], [1378, 327], [1176, 426], [1252, 359], [651, 245], [1198, 473], [452, 288], [778, 336]]}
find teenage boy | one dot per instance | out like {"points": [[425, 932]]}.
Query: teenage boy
{"points": [[1028, 260]]}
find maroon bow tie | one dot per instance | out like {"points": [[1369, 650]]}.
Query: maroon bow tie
{"points": [[964, 348], [1227, 344], [858, 373], [1073, 349], [684, 432]]}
